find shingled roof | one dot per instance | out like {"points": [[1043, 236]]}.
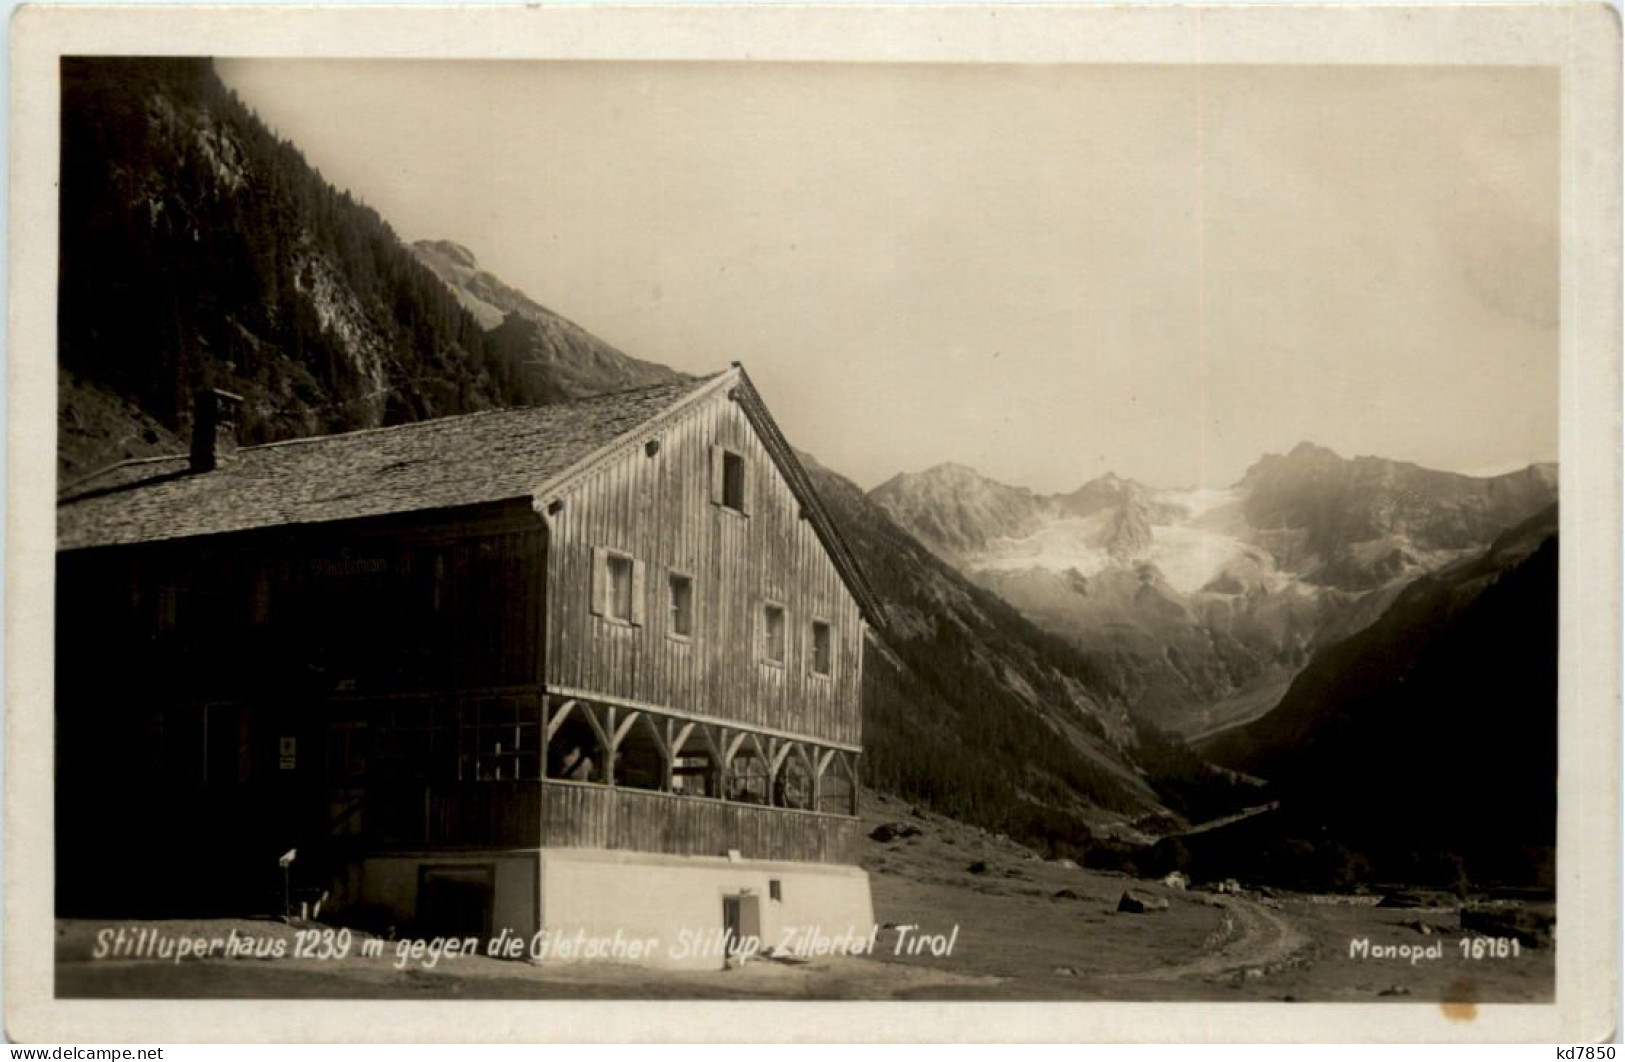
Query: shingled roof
{"points": [[433, 464]]}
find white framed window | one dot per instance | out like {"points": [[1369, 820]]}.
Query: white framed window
{"points": [[822, 649], [774, 622], [680, 605], [617, 587], [730, 486]]}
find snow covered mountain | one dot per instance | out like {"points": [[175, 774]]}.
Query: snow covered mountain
{"points": [[1201, 605]]}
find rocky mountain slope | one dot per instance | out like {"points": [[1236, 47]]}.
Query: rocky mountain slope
{"points": [[576, 360], [973, 710], [198, 249], [1427, 742], [1197, 607]]}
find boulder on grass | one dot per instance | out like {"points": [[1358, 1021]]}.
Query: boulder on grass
{"points": [[1135, 902], [887, 832]]}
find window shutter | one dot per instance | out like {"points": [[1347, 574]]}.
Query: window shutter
{"points": [[744, 486], [716, 474], [638, 594], [600, 579]]}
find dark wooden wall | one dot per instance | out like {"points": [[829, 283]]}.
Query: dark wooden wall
{"points": [[447, 602], [184, 667], [659, 510]]}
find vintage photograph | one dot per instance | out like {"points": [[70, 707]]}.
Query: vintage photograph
{"points": [[646, 529], [1091, 550]]}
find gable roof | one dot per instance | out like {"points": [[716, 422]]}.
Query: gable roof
{"points": [[829, 533], [445, 463], [430, 464]]}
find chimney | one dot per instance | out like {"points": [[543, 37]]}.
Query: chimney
{"points": [[214, 428]]}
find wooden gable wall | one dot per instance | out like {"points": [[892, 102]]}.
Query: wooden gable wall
{"points": [[659, 510]]}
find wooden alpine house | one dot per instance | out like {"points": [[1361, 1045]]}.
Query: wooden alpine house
{"points": [[584, 667]]}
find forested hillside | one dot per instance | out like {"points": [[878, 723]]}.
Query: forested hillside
{"points": [[1425, 744], [199, 249]]}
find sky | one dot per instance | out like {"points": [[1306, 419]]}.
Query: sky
{"points": [[1042, 272]]}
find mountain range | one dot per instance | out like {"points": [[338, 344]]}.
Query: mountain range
{"points": [[1198, 606]]}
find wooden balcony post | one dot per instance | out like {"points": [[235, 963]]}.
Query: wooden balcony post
{"points": [[714, 750], [819, 766], [546, 736], [730, 750], [780, 751], [606, 746], [676, 738]]}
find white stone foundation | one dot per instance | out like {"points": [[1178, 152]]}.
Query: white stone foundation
{"points": [[586, 905]]}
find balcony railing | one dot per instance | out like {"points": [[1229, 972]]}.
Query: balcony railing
{"points": [[573, 815]]}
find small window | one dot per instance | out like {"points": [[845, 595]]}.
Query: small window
{"points": [[773, 633], [733, 481], [619, 602], [617, 587], [775, 889], [166, 602], [822, 648], [729, 486], [680, 601]]}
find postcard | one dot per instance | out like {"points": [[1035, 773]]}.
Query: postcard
{"points": [[1112, 512]]}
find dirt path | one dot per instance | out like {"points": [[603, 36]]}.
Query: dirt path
{"points": [[1227, 820], [1249, 937]]}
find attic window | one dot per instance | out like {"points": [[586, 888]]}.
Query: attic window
{"points": [[729, 487], [733, 481]]}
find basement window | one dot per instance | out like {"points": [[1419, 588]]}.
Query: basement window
{"points": [[823, 649], [773, 633]]}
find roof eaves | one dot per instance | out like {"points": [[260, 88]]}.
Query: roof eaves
{"points": [[824, 525], [559, 481], [66, 492]]}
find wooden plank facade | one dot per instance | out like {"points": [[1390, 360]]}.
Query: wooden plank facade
{"points": [[477, 678], [558, 814], [654, 504]]}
